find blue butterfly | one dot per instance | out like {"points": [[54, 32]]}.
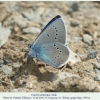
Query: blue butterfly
{"points": [[50, 46]]}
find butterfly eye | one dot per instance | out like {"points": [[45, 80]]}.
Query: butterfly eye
{"points": [[29, 46]]}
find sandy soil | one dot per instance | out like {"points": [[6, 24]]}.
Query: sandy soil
{"points": [[83, 30]]}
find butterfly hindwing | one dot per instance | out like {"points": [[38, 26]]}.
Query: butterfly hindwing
{"points": [[54, 54]]}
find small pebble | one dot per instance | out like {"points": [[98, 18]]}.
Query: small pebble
{"points": [[76, 39], [74, 23], [69, 11], [73, 59], [7, 70], [99, 61], [1, 62], [96, 71], [92, 54], [4, 34], [29, 85], [7, 62], [87, 39], [97, 65], [17, 64], [31, 30], [20, 82], [75, 6], [97, 78], [24, 81]]}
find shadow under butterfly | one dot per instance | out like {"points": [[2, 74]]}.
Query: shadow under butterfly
{"points": [[51, 44]]}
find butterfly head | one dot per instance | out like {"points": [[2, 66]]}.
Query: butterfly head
{"points": [[32, 51]]}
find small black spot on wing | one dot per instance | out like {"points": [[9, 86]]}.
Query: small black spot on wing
{"points": [[56, 30], [55, 38], [54, 45], [48, 35], [56, 33]]}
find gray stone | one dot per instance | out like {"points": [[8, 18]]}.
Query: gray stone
{"points": [[17, 64], [8, 62], [76, 39], [34, 15], [29, 15], [73, 59], [6, 70], [18, 20], [87, 39], [31, 30], [4, 34], [75, 6], [97, 65], [97, 78], [12, 6], [97, 71], [24, 81], [99, 61], [92, 54], [69, 11], [1, 61], [74, 23]]}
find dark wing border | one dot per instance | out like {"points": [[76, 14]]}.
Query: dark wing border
{"points": [[55, 18]]}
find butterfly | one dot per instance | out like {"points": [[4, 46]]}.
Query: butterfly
{"points": [[50, 46]]}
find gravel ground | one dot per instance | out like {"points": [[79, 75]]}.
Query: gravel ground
{"points": [[20, 24]]}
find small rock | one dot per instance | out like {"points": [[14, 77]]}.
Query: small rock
{"points": [[75, 6], [18, 20], [97, 77], [92, 54], [74, 23], [12, 6], [96, 71], [73, 59], [65, 79], [64, 75], [25, 76], [7, 70], [20, 82], [29, 85], [87, 39], [17, 64], [4, 34], [69, 11], [30, 15], [7, 62], [98, 60], [1, 62], [97, 65], [14, 90], [76, 39], [24, 81], [31, 30]]}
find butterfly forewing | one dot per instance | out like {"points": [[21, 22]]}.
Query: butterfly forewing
{"points": [[55, 32]]}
